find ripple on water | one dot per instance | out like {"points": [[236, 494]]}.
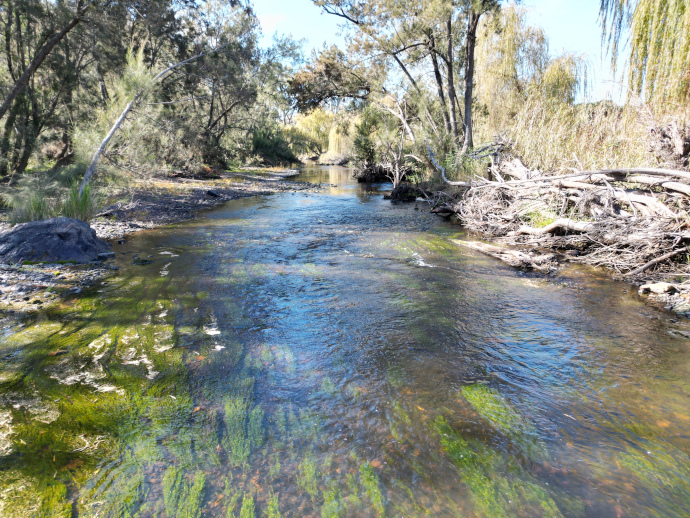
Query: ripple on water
{"points": [[335, 355]]}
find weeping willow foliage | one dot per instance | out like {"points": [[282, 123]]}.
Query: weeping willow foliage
{"points": [[531, 100], [659, 41], [514, 68], [341, 137], [511, 57], [316, 125]]}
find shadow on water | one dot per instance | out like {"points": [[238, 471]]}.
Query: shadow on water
{"points": [[333, 354]]}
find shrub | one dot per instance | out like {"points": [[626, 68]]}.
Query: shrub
{"points": [[82, 206]]}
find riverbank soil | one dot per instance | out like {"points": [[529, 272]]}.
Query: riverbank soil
{"points": [[150, 204]]}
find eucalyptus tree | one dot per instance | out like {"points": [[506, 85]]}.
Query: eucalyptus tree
{"points": [[201, 92], [221, 84], [32, 30], [659, 45], [54, 59], [22, 16], [424, 39], [329, 78], [474, 9]]}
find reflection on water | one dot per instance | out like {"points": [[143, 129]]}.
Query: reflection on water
{"points": [[332, 355]]}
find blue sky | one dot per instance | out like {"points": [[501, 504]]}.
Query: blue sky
{"points": [[571, 26]]}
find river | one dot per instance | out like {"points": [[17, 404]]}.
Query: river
{"points": [[333, 354]]}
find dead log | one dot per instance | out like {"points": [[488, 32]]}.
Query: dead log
{"points": [[621, 195], [669, 186], [603, 174], [514, 258], [658, 260]]}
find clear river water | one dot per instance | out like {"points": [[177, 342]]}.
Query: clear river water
{"points": [[332, 354]]}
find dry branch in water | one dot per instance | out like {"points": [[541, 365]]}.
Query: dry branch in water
{"points": [[634, 221]]}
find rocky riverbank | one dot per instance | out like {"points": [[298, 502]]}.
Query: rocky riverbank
{"points": [[179, 199], [29, 287]]}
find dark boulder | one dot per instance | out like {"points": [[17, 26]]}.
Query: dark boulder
{"points": [[51, 240]]}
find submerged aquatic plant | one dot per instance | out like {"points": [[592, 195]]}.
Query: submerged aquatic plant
{"points": [[183, 499], [370, 481], [273, 508], [499, 486], [248, 510], [307, 477], [55, 503], [489, 404]]}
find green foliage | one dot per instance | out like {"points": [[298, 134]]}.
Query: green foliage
{"points": [[364, 144], [33, 208], [659, 45], [539, 219], [255, 428], [272, 146], [182, 498], [493, 407], [489, 404], [236, 440], [307, 477], [314, 129], [54, 503], [333, 504], [500, 488], [511, 58], [82, 206], [273, 508], [248, 510], [44, 195], [557, 136], [244, 429], [328, 77], [513, 65], [563, 79]]}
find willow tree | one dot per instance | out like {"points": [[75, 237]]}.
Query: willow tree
{"points": [[511, 58], [659, 45]]}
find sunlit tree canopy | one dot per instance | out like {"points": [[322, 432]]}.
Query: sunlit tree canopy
{"points": [[659, 45]]}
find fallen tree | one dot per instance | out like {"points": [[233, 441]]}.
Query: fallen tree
{"points": [[634, 221]]}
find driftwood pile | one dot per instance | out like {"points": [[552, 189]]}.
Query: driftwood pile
{"points": [[634, 221]]}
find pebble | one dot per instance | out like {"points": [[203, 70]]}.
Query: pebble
{"points": [[20, 286]]}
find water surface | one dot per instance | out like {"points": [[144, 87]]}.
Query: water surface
{"points": [[331, 354]]}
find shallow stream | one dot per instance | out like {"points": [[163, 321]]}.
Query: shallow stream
{"points": [[332, 354]]}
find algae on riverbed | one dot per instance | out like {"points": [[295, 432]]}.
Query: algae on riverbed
{"points": [[499, 485], [370, 383]]}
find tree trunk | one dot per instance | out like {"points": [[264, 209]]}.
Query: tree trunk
{"points": [[5, 144], [439, 84], [472, 25], [8, 40], [451, 79], [42, 53], [94, 161]]}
